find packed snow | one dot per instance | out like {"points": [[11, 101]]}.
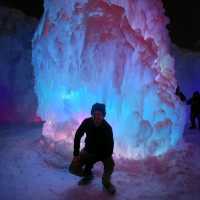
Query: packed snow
{"points": [[29, 170]]}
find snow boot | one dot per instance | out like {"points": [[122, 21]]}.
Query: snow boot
{"points": [[109, 187], [86, 180]]}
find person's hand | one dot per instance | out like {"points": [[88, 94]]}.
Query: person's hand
{"points": [[76, 158]]}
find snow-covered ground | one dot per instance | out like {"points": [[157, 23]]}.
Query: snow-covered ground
{"points": [[29, 170]]}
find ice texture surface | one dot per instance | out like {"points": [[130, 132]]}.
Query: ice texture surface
{"points": [[18, 102], [111, 51]]}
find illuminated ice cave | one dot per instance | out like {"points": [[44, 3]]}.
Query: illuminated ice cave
{"points": [[112, 51]]}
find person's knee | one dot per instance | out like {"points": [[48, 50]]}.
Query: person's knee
{"points": [[87, 158], [84, 154], [75, 168]]}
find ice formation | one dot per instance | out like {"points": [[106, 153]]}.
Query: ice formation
{"points": [[18, 102], [187, 70], [115, 52]]}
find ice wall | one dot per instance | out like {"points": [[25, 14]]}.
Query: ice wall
{"points": [[187, 66], [18, 103], [110, 51]]}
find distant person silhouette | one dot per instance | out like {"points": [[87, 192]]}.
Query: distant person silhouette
{"points": [[180, 94], [194, 103], [98, 147]]}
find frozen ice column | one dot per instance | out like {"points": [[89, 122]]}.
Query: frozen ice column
{"points": [[110, 51]]}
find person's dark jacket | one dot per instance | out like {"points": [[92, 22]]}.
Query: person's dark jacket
{"points": [[195, 103], [98, 141]]}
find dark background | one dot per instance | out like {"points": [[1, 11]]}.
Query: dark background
{"points": [[184, 27]]}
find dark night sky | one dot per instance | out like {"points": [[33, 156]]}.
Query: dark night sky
{"points": [[184, 16]]}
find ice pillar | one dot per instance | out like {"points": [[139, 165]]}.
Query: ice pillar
{"points": [[110, 51]]}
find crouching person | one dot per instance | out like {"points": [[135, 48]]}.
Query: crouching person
{"points": [[98, 147]]}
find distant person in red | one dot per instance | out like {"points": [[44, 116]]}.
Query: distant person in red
{"points": [[194, 103], [98, 147]]}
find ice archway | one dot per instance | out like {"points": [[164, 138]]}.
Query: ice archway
{"points": [[111, 51]]}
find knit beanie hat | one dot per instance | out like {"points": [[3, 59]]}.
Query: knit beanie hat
{"points": [[98, 107]]}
